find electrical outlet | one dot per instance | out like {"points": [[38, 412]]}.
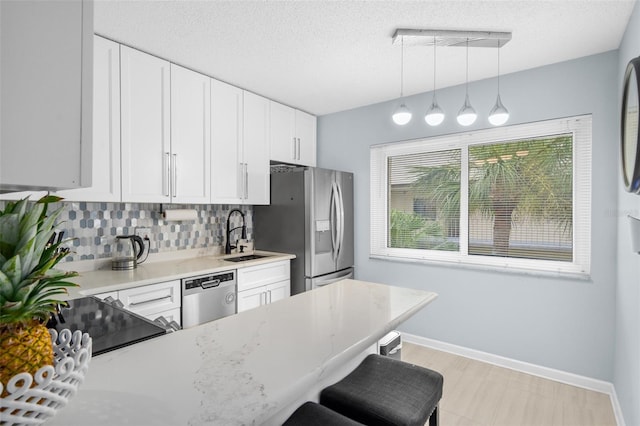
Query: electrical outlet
{"points": [[143, 232]]}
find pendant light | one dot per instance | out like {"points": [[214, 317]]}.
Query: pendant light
{"points": [[467, 115], [402, 115], [435, 114], [499, 114]]}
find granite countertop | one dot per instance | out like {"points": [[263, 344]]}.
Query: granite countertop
{"points": [[106, 280], [251, 368]]}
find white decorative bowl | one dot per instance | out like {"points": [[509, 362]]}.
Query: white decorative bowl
{"points": [[55, 384]]}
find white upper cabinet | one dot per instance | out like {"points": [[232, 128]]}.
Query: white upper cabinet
{"points": [[190, 136], [45, 108], [256, 149], [165, 131], [145, 114], [227, 171], [105, 183], [306, 125], [240, 146], [292, 135]]}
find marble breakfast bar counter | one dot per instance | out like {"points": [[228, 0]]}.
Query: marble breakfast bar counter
{"points": [[252, 368]]}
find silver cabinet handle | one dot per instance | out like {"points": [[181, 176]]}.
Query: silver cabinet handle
{"points": [[144, 302], [174, 167], [294, 147], [246, 181], [166, 172], [240, 191], [298, 158]]}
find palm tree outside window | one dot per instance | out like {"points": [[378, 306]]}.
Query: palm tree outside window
{"points": [[522, 194]]}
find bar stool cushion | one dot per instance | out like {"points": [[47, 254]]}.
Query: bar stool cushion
{"points": [[386, 391], [312, 414]]}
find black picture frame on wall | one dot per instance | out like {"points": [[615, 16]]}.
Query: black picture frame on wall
{"points": [[629, 130]]}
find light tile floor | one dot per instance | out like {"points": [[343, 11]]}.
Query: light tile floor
{"points": [[480, 394]]}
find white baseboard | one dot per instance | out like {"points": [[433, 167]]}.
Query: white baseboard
{"points": [[524, 367]]}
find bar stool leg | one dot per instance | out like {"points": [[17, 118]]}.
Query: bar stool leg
{"points": [[434, 418]]}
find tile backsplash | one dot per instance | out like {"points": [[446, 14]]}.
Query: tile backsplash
{"points": [[94, 226]]}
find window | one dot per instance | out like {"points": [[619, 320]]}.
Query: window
{"points": [[516, 197]]}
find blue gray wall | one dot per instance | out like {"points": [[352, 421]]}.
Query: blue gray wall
{"points": [[627, 347], [559, 323]]}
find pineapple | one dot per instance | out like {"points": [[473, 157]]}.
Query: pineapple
{"points": [[28, 285]]}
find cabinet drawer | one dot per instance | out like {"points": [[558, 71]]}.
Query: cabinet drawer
{"points": [[256, 276], [151, 299]]}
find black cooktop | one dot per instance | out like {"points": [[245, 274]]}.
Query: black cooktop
{"points": [[110, 327]]}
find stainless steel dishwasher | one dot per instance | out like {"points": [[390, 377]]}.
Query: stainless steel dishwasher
{"points": [[208, 297]]}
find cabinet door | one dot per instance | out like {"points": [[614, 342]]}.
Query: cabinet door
{"points": [[252, 298], [282, 140], [145, 84], [278, 291], [226, 143], [190, 136], [306, 134], [256, 149], [46, 80], [105, 182]]}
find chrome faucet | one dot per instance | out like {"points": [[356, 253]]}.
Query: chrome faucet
{"points": [[228, 246]]}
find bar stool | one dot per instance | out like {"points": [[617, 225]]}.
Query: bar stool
{"points": [[312, 414], [386, 391]]}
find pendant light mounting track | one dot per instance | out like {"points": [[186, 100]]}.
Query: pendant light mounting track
{"points": [[451, 38]]}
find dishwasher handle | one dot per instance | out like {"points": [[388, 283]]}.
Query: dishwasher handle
{"points": [[210, 284]]}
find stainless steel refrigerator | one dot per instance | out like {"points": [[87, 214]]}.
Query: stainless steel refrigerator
{"points": [[311, 216]]}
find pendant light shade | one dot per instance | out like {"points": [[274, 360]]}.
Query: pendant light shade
{"points": [[435, 114], [402, 115], [467, 115], [499, 114]]}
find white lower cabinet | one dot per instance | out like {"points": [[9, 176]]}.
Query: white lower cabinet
{"points": [[151, 301], [263, 284]]}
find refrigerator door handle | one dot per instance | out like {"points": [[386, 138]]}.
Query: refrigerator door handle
{"points": [[334, 219], [337, 212], [340, 220]]}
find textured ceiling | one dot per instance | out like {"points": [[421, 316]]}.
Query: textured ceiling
{"points": [[329, 56]]}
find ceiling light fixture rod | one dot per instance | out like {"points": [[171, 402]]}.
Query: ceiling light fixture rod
{"points": [[427, 37], [435, 114], [402, 70], [402, 115]]}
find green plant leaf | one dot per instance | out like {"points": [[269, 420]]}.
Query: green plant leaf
{"points": [[26, 254], [46, 199], [29, 225], [9, 230], [6, 288], [12, 268]]}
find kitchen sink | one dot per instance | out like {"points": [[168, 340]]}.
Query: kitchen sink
{"points": [[245, 258]]}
